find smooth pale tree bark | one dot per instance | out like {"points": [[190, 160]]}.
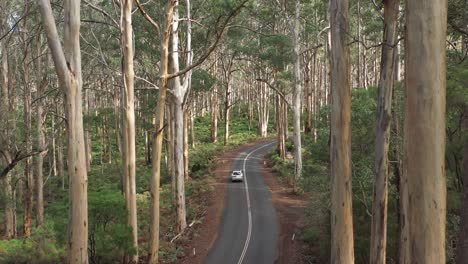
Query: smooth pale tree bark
{"points": [[153, 245], [228, 93], [191, 128], [263, 108], [297, 95], [214, 114], [186, 144], [342, 246], [86, 133], [309, 93], [424, 147], [227, 110], [28, 173], [462, 246], [67, 62], [41, 86], [181, 89], [128, 128], [53, 153], [382, 134], [5, 183]]}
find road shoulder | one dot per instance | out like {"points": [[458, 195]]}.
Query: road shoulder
{"points": [[290, 209]]}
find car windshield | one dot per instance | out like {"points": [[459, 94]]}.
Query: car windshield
{"points": [[236, 173]]}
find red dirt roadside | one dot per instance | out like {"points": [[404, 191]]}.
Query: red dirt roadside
{"points": [[290, 209]]}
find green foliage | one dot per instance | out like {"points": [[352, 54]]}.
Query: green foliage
{"points": [[202, 80], [277, 50], [41, 247], [109, 235], [457, 104]]}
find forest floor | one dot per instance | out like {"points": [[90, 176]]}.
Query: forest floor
{"points": [[289, 207]]}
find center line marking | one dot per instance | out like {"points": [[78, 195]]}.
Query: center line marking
{"points": [[249, 211]]}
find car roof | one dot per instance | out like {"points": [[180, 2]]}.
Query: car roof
{"points": [[236, 171]]}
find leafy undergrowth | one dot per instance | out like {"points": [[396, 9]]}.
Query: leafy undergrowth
{"points": [[41, 247]]}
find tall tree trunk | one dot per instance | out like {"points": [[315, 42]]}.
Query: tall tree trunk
{"points": [[53, 154], [227, 108], [28, 173], [181, 90], [170, 144], [128, 129], [280, 127], [192, 129], [86, 134], [365, 68], [462, 246], [153, 245], [297, 100], [41, 85], [179, 166], [424, 165], [4, 117], [68, 69], [214, 114], [318, 80], [342, 247], [186, 145], [263, 104], [382, 135]]}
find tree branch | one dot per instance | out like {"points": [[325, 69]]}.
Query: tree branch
{"points": [[213, 46], [147, 17], [100, 10], [18, 157]]}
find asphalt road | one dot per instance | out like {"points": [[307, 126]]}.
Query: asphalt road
{"points": [[248, 231]]}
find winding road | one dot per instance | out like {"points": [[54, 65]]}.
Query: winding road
{"points": [[248, 232]]}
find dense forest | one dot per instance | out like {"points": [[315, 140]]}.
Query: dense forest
{"points": [[113, 114]]}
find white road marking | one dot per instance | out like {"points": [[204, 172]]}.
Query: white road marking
{"points": [[249, 211]]}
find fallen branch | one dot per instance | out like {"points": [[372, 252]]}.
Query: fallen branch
{"points": [[178, 235]]}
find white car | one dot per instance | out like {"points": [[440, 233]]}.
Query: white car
{"points": [[237, 175]]}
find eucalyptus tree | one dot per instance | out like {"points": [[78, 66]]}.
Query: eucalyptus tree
{"points": [[179, 93], [382, 133], [67, 60], [342, 244], [297, 98], [129, 151], [227, 63], [425, 126], [153, 245], [41, 85], [27, 119], [4, 124]]}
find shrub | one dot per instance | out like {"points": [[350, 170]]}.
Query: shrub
{"points": [[41, 247]]}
